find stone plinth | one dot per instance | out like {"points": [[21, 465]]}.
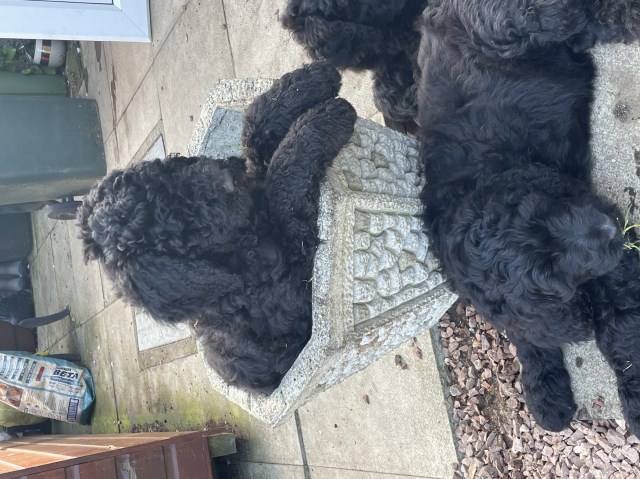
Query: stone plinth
{"points": [[376, 283]]}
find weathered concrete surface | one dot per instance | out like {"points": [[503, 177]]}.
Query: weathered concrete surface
{"points": [[375, 282], [343, 428], [217, 133]]}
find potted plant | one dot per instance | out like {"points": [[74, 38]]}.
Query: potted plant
{"points": [[19, 75]]}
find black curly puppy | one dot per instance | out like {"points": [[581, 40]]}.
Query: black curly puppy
{"points": [[380, 35], [204, 240], [376, 35], [509, 206]]}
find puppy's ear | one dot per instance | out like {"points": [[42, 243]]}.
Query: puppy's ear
{"points": [[174, 289], [545, 282], [342, 43]]}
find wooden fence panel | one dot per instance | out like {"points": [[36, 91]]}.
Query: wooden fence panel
{"points": [[57, 474], [147, 464], [121, 456], [188, 459], [103, 469]]}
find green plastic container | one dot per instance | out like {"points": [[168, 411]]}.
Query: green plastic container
{"points": [[19, 84], [50, 148]]}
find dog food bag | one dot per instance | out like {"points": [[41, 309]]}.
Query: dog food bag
{"points": [[46, 387]]}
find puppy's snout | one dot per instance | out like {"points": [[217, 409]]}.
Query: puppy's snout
{"points": [[610, 229], [227, 180]]}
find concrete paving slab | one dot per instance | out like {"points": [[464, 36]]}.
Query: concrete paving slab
{"points": [[108, 292], [116, 337], [262, 444], [116, 365], [261, 47], [593, 382], [152, 334], [403, 428], [377, 117], [161, 394], [61, 254], [357, 88], [252, 470], [43, 280], [96, 62], [151, 358], [41, 226], [164, 15], [156, 150], [139, 119], [152, 145], [615, 125], [193, 58], [129, 64], [36, 266], [87, 294], [38, 236], [96, 356], [111, 153], [67, 343], [331, 473]]}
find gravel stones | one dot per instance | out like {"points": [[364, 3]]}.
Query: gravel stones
{"points": [[496, 436]]}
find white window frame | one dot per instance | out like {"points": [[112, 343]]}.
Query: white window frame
{"points": [[124, 20]]}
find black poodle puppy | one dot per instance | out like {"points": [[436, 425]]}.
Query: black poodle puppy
{"points": [[377, 35], [380, 35], [204, 240], [510, 210]]}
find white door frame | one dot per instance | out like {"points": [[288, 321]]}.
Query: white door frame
{"points": [[124, 20]]}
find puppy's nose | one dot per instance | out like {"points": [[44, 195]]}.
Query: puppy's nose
{"points": [[227, 180], [610, 229]]}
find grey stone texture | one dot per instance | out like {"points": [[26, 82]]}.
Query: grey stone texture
{"points": [[375, 282]]}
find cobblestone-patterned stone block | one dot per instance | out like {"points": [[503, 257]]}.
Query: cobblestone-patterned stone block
{"points": [[375, 283]]}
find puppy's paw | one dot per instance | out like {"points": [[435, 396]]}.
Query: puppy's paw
{"points": [[270, 116], [330, 123], [629, 392], [549, 398], [553, 413]]}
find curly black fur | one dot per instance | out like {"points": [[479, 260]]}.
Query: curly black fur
{"points": [[508, 28], [616, 307], [376, 35], [509, 205], [380, 35], [201, 239]]}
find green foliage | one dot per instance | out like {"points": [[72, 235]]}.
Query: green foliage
{"points": [[17, 57], [626, 229], [9, 52]]}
